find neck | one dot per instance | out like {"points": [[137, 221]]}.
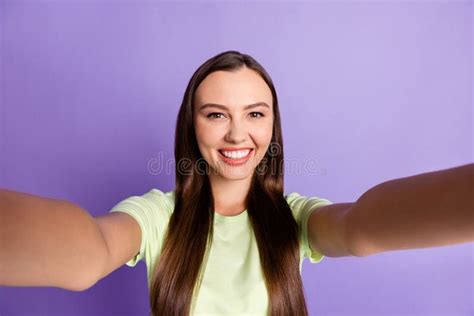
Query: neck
{"points": [[229, 195]]}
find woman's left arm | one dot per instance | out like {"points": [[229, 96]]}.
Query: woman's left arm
{"points": [[426, 210]]}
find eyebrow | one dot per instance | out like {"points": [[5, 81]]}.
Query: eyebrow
{"points": [[223, 107]]}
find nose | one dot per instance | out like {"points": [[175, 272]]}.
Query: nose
{"points": [[237, 132]]}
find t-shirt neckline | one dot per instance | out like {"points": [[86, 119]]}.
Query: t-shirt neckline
{"points": [[241, 217]]}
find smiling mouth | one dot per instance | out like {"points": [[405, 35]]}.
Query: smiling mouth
{"points": [[237, 158]]}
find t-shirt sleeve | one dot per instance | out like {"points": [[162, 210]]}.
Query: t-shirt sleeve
{"points": [[302, 206], [150, 211]]}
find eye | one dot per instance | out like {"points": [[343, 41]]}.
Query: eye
{"points": [[212, 115], [259, 113]]}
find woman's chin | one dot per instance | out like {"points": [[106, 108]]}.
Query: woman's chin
{"points": [[234, 173], [236, 177]]}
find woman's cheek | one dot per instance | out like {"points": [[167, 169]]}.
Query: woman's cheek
{"points": [[264, 134]]}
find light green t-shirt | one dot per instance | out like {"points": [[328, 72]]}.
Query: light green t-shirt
{"points": [[232, 282]]}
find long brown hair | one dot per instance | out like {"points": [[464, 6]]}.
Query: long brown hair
{"points": [[190, 228]]}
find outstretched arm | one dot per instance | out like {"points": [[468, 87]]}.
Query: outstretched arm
{"points": [[426, 210], [48, 242]]}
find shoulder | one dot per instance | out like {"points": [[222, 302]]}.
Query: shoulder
{"points": [[165, 200], [152, 201], [298, 200], [301, 205]]}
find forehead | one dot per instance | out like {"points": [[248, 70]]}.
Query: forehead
{"points": [[233, 89]]}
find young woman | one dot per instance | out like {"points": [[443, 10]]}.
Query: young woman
{"points": [[227, 240]]}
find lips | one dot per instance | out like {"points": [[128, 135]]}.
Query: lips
{"points": [[238, 161]]}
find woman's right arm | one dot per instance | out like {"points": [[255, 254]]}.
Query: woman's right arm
{"points": [[48, 242]]}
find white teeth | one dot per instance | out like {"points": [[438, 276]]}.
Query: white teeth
{"points": [[236, 154]]}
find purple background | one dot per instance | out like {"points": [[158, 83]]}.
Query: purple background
{"points": [[369, 91]]}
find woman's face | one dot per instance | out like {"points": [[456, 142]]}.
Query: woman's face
{"points": [[223, 122]]}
